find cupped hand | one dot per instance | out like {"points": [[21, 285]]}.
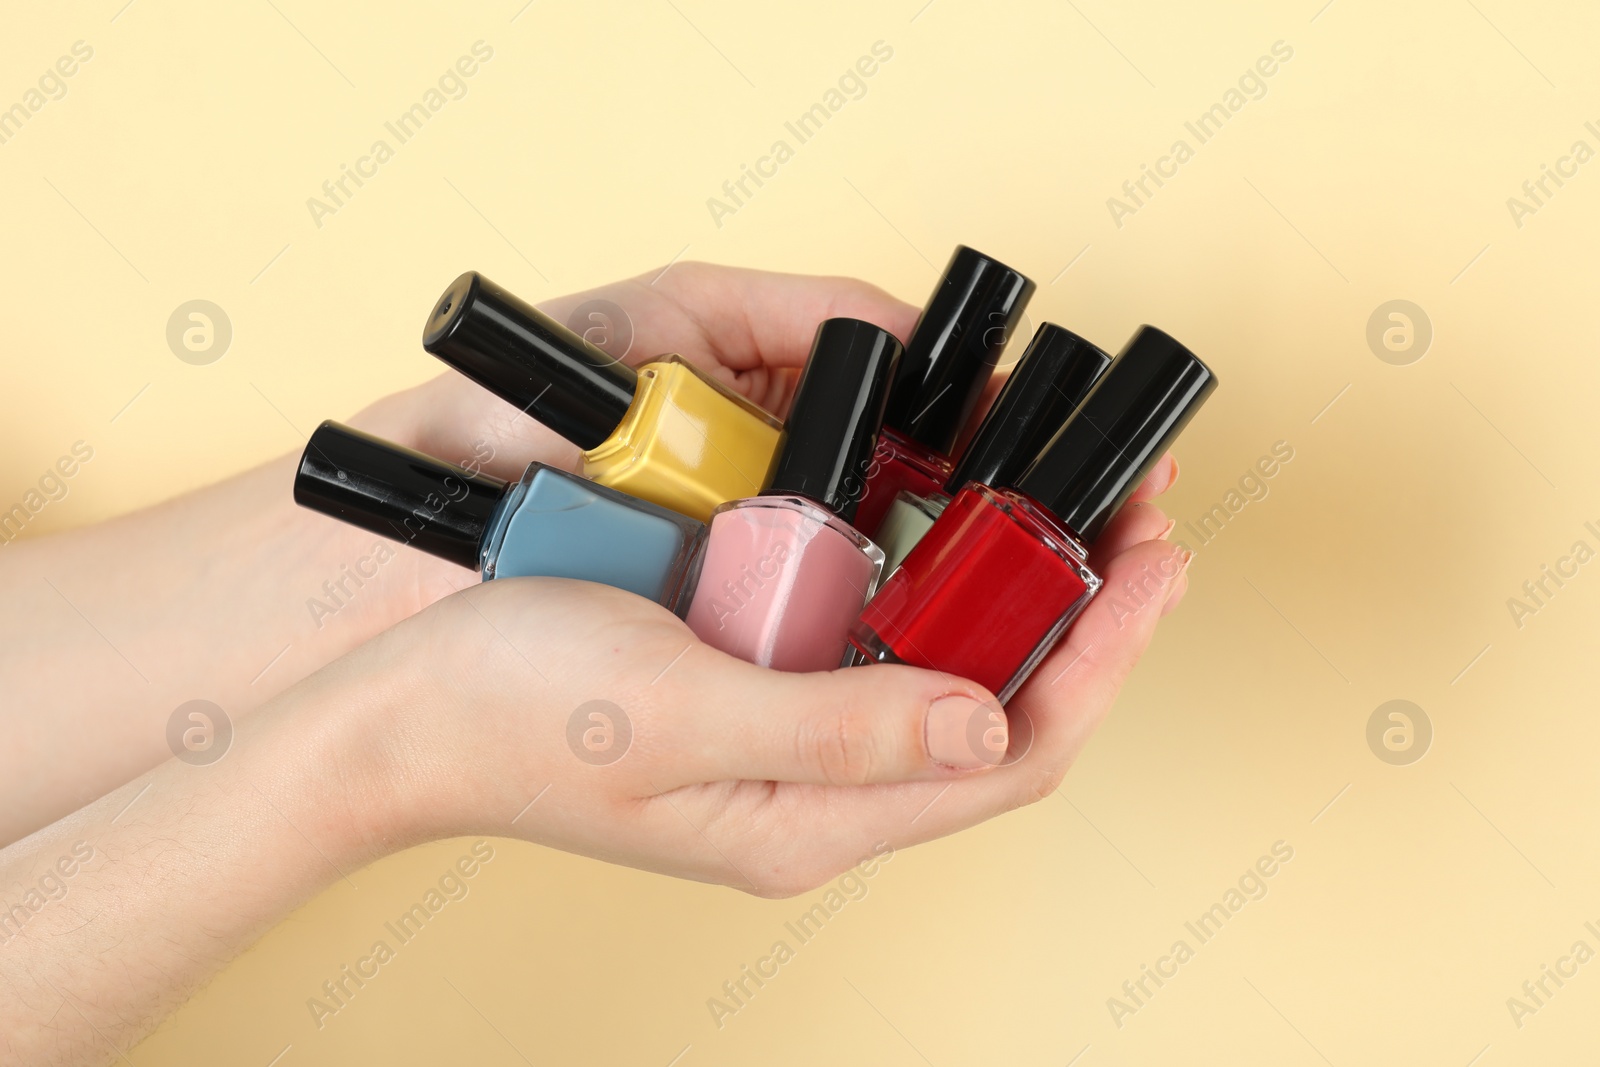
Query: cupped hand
{"points": [[591, 720], [634, 742]]}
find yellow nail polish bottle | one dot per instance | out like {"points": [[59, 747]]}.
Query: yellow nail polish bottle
{"points": [[665, 433]]}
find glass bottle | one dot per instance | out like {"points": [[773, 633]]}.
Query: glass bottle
{"points": [[550, 523], [1050, 380], [1001, 575], [785, 574], [667, 432], [954, 348]]}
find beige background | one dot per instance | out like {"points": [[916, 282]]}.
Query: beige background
{"points": [[1377, 166]]}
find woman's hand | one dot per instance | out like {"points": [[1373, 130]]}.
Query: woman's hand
{"points": [[571, 714], [594, 721], [591, 720], [232, 594]]}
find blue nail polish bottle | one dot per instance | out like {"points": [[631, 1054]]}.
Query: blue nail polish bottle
{"points": [[551, 523]]}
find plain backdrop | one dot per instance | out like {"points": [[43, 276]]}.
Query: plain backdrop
{"points": [[1374, 164]]}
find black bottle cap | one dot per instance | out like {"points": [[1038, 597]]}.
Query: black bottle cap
{"points": [[1046, 386], [954, 348], [529, 360], [1127, 421], [393, 491], [837, 411]]}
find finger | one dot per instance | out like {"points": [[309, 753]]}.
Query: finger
{"points": [[882, 723], [756, 325], [1179, 587], [1136, 522], [1072, 689], [1066, 698], [750, 329], [761, 318], [454, 419], [1053, 715], [1163, 476]]}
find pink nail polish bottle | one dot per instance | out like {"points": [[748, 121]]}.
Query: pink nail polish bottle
{"points": [[784, 574]]}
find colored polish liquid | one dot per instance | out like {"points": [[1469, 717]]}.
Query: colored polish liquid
{"points": [[899, 465], [984, 595], [909, 519], [549, 524], [1002, 573], [666, 433], [687, 442], [784, 574], [952, 352], [556, 525], [1050, 380], [781, 582]]}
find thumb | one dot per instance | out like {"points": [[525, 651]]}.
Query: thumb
{"points": [[858, 726]]}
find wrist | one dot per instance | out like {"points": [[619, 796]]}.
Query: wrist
{"points": [[333, 745]]}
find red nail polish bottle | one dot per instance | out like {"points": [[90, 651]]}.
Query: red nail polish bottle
{"points": [[1046, 386], [1000, 576], [952, 352]]}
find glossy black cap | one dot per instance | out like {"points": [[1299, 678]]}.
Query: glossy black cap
{"points": [[529, 360], [1098, 458], [1046, 386], [955, 347], [397, 493], [837, 411]]}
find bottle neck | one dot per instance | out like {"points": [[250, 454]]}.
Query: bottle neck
{"points": [[1047, 519]]}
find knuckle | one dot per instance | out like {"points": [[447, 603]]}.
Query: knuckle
{"points": [[841, 745], [1045, 781]]}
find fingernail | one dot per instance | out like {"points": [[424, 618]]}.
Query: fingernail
{"points": [[958, 733], [1163, 477], [1180, 585], [1168, 528], [1177, 586]]}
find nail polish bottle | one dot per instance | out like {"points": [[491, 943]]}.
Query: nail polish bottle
{"points": [[1048, 383], [665, 433], [1000, 576], [953, 350], [784, 574], [550, 524]]}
